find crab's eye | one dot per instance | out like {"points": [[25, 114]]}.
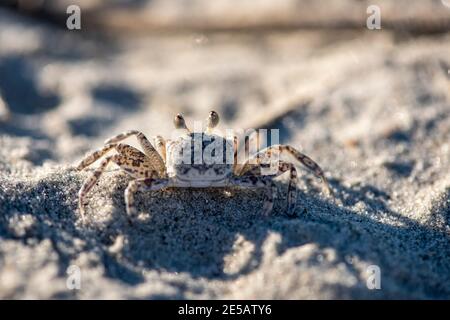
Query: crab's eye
{"points": [[213, 119], [179, 121]]}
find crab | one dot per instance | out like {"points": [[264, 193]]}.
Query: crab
{"points": [[159, 166]]}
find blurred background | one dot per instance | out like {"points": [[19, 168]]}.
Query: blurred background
{"points": [[135, 63]]}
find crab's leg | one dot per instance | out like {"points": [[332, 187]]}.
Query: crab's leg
{"points": [[160, 145], [293, 181], [253, 181], [130, 159], [147, 184], [92, 180], [292, 187], [249, 140], [286, 149], [94, 156], [235, 154], [253, 138], [149, 150], [136, 163]]}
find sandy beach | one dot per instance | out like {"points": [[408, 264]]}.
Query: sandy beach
{"points": [[371, 107]]}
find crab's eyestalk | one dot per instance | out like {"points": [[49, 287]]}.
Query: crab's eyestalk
{"points": [[179, 122], [212, 121]]}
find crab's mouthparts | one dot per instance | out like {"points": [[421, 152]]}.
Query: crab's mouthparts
{"points": [[202, 183]]}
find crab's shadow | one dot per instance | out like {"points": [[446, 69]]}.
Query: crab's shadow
{"points": [[198, 232]]}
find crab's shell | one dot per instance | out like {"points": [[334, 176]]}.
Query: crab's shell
{"points": [[200, 159]]}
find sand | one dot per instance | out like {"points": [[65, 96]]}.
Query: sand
{"points": [[371, 107]]}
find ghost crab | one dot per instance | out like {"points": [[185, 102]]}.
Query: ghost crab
{"points": [[159, 167]]}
